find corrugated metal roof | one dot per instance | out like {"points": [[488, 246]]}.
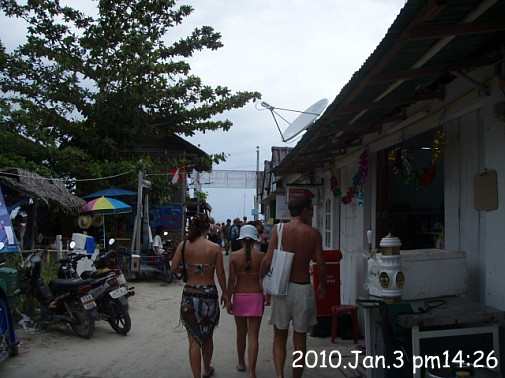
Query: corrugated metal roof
{"points": [[428, 40]]}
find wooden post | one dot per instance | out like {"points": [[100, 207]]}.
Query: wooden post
{"points": [[58, 247]]}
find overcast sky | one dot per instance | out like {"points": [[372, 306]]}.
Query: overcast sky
{"points": [[293, 52]]}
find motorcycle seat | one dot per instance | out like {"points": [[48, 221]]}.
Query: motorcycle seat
{"points": [[65, 284], [95, 273]]}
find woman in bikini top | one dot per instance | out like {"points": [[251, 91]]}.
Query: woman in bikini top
{"points": [[200, 298], [248, 301]]}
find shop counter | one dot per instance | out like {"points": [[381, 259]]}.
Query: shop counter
{"points": [[443, 324]]}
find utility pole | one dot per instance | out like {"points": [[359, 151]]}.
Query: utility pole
{"points": [[256, 204], [135, 244]]}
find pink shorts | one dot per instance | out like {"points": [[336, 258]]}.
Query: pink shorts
{"points": [[248, 304]]}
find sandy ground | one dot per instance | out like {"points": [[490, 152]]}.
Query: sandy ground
{"points": [[156, 346]]}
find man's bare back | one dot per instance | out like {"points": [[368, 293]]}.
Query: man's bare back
{"points": [[302, 240]]}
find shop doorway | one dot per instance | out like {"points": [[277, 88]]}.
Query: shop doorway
{"points": [[410, 195]]}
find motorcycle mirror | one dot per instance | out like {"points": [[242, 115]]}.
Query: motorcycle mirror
{"points": [[2, 245], [111, 241], [72, 245]]}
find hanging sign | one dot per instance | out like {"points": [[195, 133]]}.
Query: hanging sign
{"points": [[294, 191], [281, 208], [168, 216], [8, 242], [485, 191], [229, 179]]}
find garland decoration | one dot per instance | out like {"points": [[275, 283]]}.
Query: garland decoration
{"points": [[335, 188], [403, 162], [358, 181]]}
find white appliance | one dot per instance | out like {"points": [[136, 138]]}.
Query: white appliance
{"points": [[428, 273]]}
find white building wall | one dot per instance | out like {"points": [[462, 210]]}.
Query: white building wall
{"points": [[476, 141], [494, 221], [463, 222]]}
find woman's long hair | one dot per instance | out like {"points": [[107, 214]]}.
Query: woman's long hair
{"points": [[198, 226]]}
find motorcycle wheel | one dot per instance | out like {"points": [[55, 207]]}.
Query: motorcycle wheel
{"points": [[167, 273], [119, 318], [85, 325]]}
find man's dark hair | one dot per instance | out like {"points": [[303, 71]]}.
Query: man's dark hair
{"points": [[297, 204]]}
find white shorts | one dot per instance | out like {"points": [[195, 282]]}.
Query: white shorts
{"points": [[299, 307]]}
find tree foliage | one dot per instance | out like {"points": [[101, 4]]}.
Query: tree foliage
{"points": [[84, 89]]}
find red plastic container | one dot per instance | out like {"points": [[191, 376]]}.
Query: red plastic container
{"points": [[324, 305]]}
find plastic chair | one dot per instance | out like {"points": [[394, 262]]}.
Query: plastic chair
{"points": [[340, 309]]}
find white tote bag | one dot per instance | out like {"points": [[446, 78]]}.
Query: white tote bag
{"points": [[276, 280]]}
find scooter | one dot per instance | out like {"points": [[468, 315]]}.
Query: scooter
{"points": [[104, 263], [66, 301], [9, 341], [108, 287]]}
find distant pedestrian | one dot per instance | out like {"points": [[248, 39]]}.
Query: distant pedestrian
{"points": [[299, 306], [262, 243], [226, 236], [157, 242], [234, 234], [213, 236], [246, 297], [244, 221], [200, 301]]}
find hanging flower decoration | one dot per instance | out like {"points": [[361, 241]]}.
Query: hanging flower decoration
{"points": [[438, 145], [394, 158], [358, 181], [363, 167], [335, 188], [403, 162]]}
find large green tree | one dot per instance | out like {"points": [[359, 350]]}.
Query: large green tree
{"points": [[83, 89]]}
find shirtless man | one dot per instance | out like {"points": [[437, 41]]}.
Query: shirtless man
{"points": [[304, 241]]}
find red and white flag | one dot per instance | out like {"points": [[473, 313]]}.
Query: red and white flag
{"points": [[177, 175]]}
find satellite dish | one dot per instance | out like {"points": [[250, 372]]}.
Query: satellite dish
{"points": [[84, 221], [97, 221], [302, 122]]}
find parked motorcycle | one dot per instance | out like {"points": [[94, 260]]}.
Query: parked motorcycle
{"points": [[9, 342], [108, 287], [103, 263], [66, 301]]}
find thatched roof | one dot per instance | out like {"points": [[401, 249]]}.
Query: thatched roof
{"points": [[48, 190]]}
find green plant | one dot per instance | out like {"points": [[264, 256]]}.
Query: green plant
{"points": [[202, 196]]}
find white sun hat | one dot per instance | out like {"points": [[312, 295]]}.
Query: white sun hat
{"points": [[248, 232]]}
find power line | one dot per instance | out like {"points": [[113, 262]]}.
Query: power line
{"points": [[65, 180]]}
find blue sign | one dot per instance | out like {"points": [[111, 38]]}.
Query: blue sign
{"points": [[168, 216], [7, 234]]}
